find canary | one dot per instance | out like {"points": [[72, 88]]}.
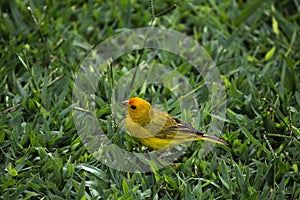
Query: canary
{"points": [[157, 129]]}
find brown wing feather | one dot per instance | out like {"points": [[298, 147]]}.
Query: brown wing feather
{"points": [[183, 131], [178, 127]]}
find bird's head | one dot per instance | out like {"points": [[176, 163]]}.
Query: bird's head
{"points": [[139, 110]]}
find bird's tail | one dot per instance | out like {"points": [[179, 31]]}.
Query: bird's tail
{"points": [[212, 138]]}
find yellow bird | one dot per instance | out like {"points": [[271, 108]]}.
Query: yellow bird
{"points": [[157, 129]]}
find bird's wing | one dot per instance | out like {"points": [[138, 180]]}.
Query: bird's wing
{"points": [[159, 121], [164, 126], [173, 126], [186, 128]]}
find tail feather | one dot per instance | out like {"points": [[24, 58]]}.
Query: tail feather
{"points": [[212, 138]]}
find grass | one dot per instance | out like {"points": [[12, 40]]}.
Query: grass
{"points": [[255, 45]]}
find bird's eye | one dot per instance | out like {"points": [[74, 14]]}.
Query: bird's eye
{"points": [[133, 107]]}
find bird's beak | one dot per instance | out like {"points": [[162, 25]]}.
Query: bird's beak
{"points": [[124, 103]]}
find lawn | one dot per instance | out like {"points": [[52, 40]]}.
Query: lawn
{"points": [[50, 150]]}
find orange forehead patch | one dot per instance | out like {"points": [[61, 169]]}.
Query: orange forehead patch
{"points": [[137, 101]]}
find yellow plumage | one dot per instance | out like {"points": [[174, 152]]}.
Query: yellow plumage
{"points": [[157, 129]]}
